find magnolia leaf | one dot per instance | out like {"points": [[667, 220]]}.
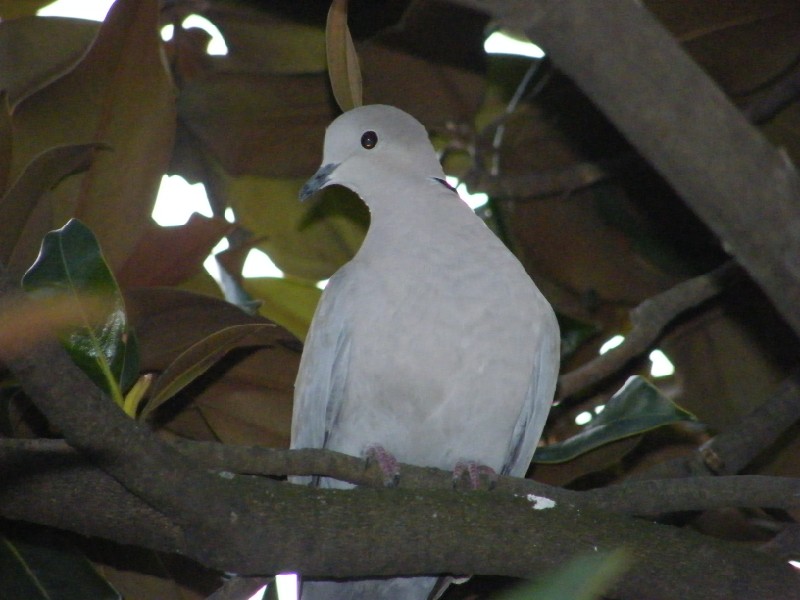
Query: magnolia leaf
{"points": [[201, 356], [120, 93], [71, 266], [308, 241], [137, 393], [5, 141], [35, 51], [288, 301], [343, 67], [42, 566], [20, 202], [637, 407], [583, 578]]}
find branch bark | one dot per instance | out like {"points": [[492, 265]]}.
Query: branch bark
{"points": [[632, 498], [682, 123], [204, 510], [342, 533]]}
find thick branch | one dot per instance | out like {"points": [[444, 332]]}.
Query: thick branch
{"points": [[743, 188], [343, 533], [631, 498], [197, 502]]}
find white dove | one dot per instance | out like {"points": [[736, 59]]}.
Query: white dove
{"points": [[432, 342]]}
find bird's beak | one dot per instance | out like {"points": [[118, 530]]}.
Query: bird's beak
{"points": [[318, 181]]}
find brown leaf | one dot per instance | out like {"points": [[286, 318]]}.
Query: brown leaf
{"points": [[730, 358], [343, 68], [38, 50], [258, 123], [5, 141], [168, 321], [740, 44], [20, 233], [252, 402], [247, 396], [13, 9], [171, 255], [431, 64], [201, 356], [119, 94]]}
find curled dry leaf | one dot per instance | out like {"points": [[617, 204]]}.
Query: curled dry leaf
{"points": [[343, 67]]}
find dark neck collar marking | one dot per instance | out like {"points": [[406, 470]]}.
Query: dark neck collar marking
{"points": [[445, 184]]}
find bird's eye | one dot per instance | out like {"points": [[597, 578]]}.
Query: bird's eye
{"points": [[369, 139]]}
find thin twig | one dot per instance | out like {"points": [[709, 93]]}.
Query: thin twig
{"points": [[538, 184], [777, 97], [649, 320]]}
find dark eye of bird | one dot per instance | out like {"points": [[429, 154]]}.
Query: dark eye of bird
{"points": [[369, 139]]}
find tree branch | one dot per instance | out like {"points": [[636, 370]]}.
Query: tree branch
{"points": [[682, 123], [649, 320], [776, 97], [639, 498], [342, 533], [537, 184], [200, 504], [733, 450]]}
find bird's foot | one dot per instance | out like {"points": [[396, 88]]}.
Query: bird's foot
{"points": [[387, 463], [474, 471]]}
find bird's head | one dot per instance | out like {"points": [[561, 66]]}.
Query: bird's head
{"points": [[365, 144]]}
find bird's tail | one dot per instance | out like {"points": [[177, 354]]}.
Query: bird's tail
{"points": [[397, 588]]}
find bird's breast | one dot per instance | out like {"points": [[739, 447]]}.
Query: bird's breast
{"points": [[440, 358]]}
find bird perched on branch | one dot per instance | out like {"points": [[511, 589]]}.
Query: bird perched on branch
{"points": [[432, 345]]}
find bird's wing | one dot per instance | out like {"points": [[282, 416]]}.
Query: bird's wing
{"points": [[321, 379], [542, 386]]}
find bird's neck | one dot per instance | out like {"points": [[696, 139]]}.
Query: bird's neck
{"points": [[418, 221]]}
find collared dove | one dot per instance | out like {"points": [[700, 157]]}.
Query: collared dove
{"points": [[432, 342]]}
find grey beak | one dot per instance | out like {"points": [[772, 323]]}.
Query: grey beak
{"points": [[317, 181]]}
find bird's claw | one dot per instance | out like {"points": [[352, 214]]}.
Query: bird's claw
{"points": [[474, 471], [386, 461]]}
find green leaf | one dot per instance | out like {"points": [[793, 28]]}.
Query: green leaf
{"points": [[43, 567], [343, 67], [637, 407], [583, 578], [71, 265]]}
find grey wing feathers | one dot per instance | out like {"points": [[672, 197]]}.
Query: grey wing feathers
{"points": [[534, 413], [322, 375]]}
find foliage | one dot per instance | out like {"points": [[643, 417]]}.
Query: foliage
{"points": [[70, 266], [636, 408], [94, 115]]}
